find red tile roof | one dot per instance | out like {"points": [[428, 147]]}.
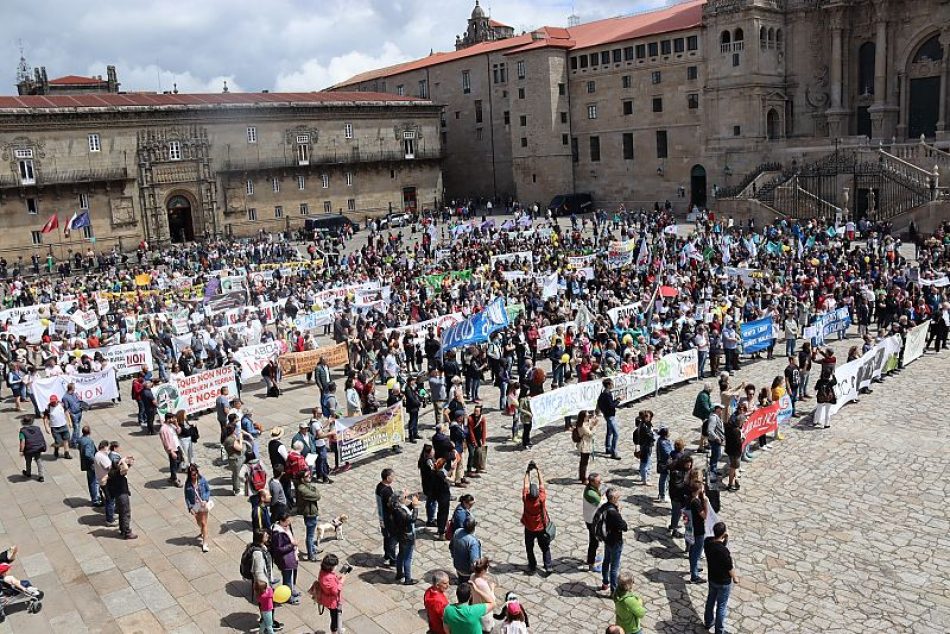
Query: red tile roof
{"points": [[685, 15], [133, 100], [496, 24], [73, 80]]}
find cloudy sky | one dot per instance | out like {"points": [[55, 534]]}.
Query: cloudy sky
{"points": [[278, 45]]}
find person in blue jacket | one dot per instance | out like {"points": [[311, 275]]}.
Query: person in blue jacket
{"points": [[198, 501]]}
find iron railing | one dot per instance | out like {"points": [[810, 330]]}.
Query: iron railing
{"points": [[331, 158]]}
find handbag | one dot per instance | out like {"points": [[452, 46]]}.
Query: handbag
{"points": [[550, 528]]}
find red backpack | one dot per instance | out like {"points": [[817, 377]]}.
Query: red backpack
{"points": [[258, 477], [296, 464]]}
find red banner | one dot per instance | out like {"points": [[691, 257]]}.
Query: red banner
{"points": [[761, 422]]}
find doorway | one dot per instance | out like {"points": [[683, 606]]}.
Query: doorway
{"points": [[697, 186], [772, 125], [862, 206], [409, 201], [180, 226], [924, 107]]}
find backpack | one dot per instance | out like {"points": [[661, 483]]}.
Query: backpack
{"points": [[636, 435], [576, 434], [247, 560], [257, 477], [449, 530], [600, 524], [33, 439]]}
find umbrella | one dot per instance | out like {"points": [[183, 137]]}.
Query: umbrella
{"points": [[668, 291]]}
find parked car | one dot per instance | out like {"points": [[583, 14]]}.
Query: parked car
{"points": [[394, 220], [567, 204], [330, 224]]}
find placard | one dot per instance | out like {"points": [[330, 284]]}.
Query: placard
{"points": [[365, 435], [95, 387], [126, 358], [195, 393], [254, 358]]}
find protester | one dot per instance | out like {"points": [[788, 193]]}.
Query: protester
{"points": [[466, 549], [308, 507], [328, 590], [56, 421], [583, 437], [198, 502], [384, 495], [32, 446], [435, 602], [464, 617], [628, 607], [535, 519], [722, 575], [591, 503], [614, 526], [607, 405], [284, 548]]}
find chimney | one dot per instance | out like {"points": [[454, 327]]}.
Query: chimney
{"points": [[112, 78]]}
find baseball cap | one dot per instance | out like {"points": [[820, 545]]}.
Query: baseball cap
{"points": [[53, 399]]}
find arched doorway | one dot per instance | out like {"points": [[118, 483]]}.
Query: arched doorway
{"points": [[924, 107], [697, 186], [180, 225], [773, 128]]}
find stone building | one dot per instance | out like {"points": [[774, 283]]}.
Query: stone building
{"points": [[688, 100], [481, 28], [37, 83], [177, 167]]}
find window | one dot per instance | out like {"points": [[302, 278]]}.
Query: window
{"points": [[87, 231], [692, 101], [866, 55], [499, 75], [304, 209], [504, 73], [625, 81], [31, 207], [627, 107], [692, 43], [628, 146], [523, 120], [27, 175], [679, 45], [594, 149], [575, 153], [661, 147], [605, 57], [325, 181], [524, 141], [327, 206], [94, 143], [574, 63], [591, 87], [616, 55], [735, 59], [561, 90], [303, 151], [592, 111], [656, 77], [251, 214], [563, 117], [458, 114], [583, 59], [351, 204], [301, 183], [658, 104], [521, 93], [249, 187], [594, 59], [466, 82], [692, 73], [275, 184], [278, 212], [251, 134], [409, 143], [401, 90], [84, 201], [36, 237], [736, 130], [641, 51], [565, 139], [349, 179], [628, 54], [478, 111], [653, 49], [666, 47], [347, 130], [507, 117], [423, 89], [478, 134], [174, 150], [445, 138], [521, 70]]}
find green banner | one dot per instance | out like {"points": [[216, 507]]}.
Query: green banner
{"points": [[514, 310], [435, 280]]}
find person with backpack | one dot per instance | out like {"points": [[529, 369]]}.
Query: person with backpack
{"points": [[283, 549], [609, 527], [643, 438], [825, 398], [327, 590], [257, 566], [591, 503], [117, 484], [254, 477], [607, 405], [32, 446], [582, 434]]}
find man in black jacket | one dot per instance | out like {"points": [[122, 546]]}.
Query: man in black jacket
{"points": [[614, 528], [607, 405], [413, 403]]}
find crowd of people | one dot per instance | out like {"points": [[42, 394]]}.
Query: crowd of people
{"points": [[588, 299]]}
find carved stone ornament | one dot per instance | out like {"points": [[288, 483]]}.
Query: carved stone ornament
{"points": [[22, 143], [291, 135], [123, 211], [815, 94], [401, 128]]}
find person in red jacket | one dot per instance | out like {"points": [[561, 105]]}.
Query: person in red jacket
{"points": [[435, 601], [477, 428], [535, 519]]}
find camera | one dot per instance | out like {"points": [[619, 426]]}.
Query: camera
{"points": [[346, 569], [531, 466]]}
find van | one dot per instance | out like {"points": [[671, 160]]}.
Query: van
{"points": [[329, 224], [567, 204]]}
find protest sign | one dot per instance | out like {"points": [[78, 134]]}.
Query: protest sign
{"points": [[195, 393], [581, 261], [64, 325], [232, 283], [96, 387], [254, 358], [546, 333], [24, 313], [748, 276], [85, 319], [436, 279], [620, 254], [623, 312], [825, 324], [762, 421], [476, 328], [635, 385], [421, 329], [548, 284], [313, 320], [677, 367], [220, 303], [515, 259], [297, 363], [757, 335], [358, 437], [514, 311], [916, 342], [32, 330], [856, 375], [565, 401], [126, 358]]}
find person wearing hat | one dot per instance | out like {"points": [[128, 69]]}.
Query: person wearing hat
{"points": [[276, 450], [56, 421]]}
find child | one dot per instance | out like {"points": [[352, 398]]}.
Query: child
{"points": [[513, 616], [329, 591], [7, 558], [265, 601]]}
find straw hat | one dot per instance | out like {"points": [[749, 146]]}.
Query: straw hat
{"points": [[276, 432]]}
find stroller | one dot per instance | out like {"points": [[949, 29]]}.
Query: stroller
{"points": [[12, 596]]}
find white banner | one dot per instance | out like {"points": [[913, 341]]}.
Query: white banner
{"points": [[677, 367], [421, 329], [545, 333], [581, 261], [638, 384], [24, 313], [851, 377], [32, 330], [566, 401], [623, 312], [85, 320], [518, 258], [549, 285], [195, 393], [940, 282], [126, 358], [254, 358], [916, 342], [313, 320], [97, 387]]}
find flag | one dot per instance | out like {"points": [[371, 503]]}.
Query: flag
{"points": [[643, 255], [750, 245], [78, 221], [52, 223]]}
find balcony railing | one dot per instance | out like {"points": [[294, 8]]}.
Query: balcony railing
{"points": [[330, 158], [66, 177]]}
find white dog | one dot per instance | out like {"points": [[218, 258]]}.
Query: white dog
{"points": [[335, 525]]}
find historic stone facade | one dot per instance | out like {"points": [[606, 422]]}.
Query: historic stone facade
{"points": [[674, 103], [175, 167]]}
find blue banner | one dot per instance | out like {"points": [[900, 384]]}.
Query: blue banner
{"points": [[477, 328], [829, 323], [757, 335]]}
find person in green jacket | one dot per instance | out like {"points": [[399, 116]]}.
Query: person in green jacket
{"points": [[701, 410], [628, 607], [307, 505]]}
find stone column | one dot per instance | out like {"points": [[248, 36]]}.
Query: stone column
{"points": [[836, 113], [944, 80], [883, 113]]}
